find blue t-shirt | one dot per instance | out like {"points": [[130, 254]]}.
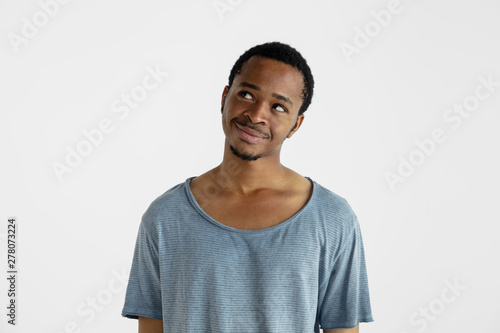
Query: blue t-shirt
{"points": [[199, 275]]}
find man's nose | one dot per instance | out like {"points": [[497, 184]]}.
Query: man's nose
{"points": [[258, 113]]}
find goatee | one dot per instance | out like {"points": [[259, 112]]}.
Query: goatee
{"points": [[243, 156]]}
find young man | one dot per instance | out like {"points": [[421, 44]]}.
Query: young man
{"points": [[252, 246]]}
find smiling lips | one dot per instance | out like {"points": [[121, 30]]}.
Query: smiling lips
{"points": [[248, 134]]}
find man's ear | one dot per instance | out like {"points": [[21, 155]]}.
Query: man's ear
{"points": [[223, 99], [298, 122]]}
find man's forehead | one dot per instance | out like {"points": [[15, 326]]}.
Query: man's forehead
{"points": [[263, 72]]}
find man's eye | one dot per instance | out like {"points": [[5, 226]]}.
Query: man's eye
{"points": [[246, 95], [279, 108]]}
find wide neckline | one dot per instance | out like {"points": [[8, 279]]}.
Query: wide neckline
{"points": [[222, 225]]}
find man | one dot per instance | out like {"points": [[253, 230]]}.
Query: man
{"points": [[252, 246]]}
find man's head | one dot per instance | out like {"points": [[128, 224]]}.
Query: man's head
{"points": [[286, 54], [264, 102]]}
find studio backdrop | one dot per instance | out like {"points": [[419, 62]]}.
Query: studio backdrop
{"points": [[105, 105]]}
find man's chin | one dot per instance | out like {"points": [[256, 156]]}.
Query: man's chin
{"points": [[243, 156]]}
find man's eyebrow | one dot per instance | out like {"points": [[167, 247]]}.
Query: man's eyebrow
{"points": [[283, 98], [278, 96]]}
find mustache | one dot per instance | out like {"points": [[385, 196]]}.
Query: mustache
{"points": [[250, 125]]}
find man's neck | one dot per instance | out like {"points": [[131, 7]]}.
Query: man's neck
{"points": [[244, 177]]}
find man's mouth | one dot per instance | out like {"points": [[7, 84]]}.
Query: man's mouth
{"points": [[249, 134]]}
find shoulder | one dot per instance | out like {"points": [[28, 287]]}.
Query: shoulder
{"points": [[164, 205], [332, 202], [170, 197], [324, 200], [336, 212], [337, 220]]}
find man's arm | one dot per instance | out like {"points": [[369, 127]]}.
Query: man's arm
{"points": [[343, 330], [150, 325]]}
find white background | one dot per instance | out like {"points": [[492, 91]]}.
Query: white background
{"points": [[76, 234]]}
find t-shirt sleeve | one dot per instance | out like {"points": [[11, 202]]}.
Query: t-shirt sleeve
{"points": [[345, 298], [143, 296]]}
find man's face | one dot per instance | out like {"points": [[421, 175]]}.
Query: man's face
{"points": [[261, 108]]}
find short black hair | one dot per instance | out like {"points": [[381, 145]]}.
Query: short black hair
{"points": [[284, 53]]}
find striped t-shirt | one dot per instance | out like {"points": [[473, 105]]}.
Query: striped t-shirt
{"points": [[199, 275]]}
